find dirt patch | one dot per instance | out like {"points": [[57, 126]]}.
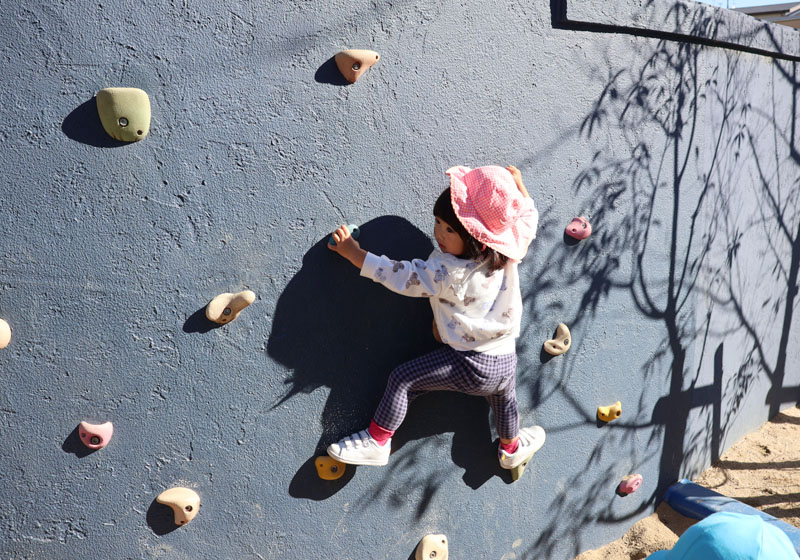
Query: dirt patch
{"points": [[761, 470]]}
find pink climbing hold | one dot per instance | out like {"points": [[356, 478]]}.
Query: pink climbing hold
{"points": [[579, 228], [630, 484], [95, 436]]}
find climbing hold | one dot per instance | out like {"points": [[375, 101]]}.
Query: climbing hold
{"points": [[329, 468], [579, 228], [630, 484], [354, 233], [354, 62], [226, 307], [5, 334], [95, 436], [432, 546], [561, 343], [609, 413], [184, 502], [124, 113]]}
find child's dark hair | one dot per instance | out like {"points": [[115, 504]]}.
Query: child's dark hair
{"points": [[473, 249]]}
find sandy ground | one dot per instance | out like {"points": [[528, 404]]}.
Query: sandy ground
{"points": [[761, 470]]}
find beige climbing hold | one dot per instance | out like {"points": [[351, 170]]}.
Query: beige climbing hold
{"points": [[184, 502], [329, 468], [226, 307], [609, 413], [432, 547], [5, 334], [354, 62], [561, 343], [124, 113]]}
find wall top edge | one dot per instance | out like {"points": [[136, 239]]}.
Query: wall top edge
{"points": [[695, 21]]}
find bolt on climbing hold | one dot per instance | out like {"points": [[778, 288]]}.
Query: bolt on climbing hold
{"points": [[354, 233], [124, 113], [432, 546], [630, 484], [95, 436], [226, 307], [609, 413], [352, 63], [184, 502], [5, 334], [579, 228], [561, 343], [329, 468]]}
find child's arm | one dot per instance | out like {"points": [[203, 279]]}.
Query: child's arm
{"points": [[348, 247], [415, 278], [517, 174]]}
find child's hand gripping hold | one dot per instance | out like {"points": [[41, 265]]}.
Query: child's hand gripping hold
{"points": [[347, 246]]}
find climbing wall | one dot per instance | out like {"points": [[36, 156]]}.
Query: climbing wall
{"points": [[177, 335]]}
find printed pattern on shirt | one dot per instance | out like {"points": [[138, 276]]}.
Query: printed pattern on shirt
{"points": [[475, 309]]}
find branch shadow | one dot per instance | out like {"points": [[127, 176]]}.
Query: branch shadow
{"points": [[663, 204]]}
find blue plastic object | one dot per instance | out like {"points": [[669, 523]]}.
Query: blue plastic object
{"points": [[695, 501], [352, 228]]}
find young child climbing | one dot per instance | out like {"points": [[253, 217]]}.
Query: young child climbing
{"points": [[484, 223]]}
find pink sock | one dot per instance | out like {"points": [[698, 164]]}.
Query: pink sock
{"points": [[510, 448], [381, 435]]}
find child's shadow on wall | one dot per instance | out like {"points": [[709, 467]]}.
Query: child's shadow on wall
{"points": [[334, 329]]}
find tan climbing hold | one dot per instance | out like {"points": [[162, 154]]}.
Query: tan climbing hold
{"points": [[561, 343], [432, 547], [329, 468], [354, 62], [5, 334], [226, 307], [124, 113], [184, 502], [609, 413]]}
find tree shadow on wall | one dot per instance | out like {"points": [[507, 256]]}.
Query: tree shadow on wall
{"points": [[344, 334], [767, 140], [662, 203]]}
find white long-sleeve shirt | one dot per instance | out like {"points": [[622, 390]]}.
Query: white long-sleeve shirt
{"points": [[473, 310]]}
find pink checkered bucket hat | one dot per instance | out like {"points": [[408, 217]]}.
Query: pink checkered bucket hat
{"points": [[490, 207]]}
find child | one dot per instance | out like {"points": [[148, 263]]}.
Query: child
{"points": [[483, 225]]}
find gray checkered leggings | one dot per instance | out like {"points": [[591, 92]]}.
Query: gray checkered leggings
{"points": [[445, 369]]}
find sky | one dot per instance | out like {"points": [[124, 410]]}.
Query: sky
{"points": [[742, 3]]}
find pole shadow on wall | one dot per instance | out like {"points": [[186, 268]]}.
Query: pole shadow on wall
{"points": [[674, 185], [83, 125], [338, 332]]}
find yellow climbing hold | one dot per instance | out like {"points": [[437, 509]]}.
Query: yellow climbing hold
{"points": [[124, 113]]}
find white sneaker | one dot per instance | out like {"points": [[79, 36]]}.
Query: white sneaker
{"points": [[530, 441], [360, 449]]}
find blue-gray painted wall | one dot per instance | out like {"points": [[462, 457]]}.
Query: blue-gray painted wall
{"points": [[683, 155]]}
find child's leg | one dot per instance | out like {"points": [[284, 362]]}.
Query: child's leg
{"points": [[506, 416], [516, 446], [444, 369], [439, 370]]}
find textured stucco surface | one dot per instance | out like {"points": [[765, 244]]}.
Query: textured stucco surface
{"points": [[684, 157]]}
